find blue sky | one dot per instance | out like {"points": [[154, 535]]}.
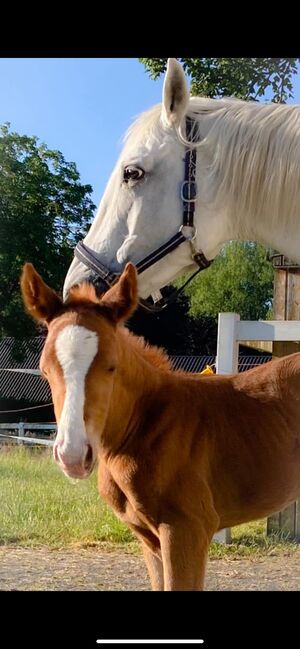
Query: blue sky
{"points": [[80, 106]]}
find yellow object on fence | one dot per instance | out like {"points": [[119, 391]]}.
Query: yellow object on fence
{"points": [[207, 370]]}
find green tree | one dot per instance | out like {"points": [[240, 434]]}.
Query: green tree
{"points": [[44, 210], [247, 78], [239, 280]]}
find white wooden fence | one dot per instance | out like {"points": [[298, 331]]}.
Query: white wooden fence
{"points": [[231, 331], [20, 428]]}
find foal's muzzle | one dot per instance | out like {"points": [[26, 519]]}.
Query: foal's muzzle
{"points": [[74, 466]]}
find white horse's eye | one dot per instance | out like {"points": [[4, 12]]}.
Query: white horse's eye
{"points": [[133, 173]]}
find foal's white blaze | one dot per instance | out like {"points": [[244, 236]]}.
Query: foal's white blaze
{"points": [[76, 348]]}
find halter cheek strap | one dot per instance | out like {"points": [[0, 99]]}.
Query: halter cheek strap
{"points": [[187, 232]]}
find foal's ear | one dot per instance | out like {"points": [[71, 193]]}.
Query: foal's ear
{"points": [[40, 300], [175, 94], [122, 298]]}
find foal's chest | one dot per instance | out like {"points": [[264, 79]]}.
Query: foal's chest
{"points": [[127, 504]]}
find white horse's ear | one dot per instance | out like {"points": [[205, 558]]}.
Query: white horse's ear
{"points": [[175, 94]]}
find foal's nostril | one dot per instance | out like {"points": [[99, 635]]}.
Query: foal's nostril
{"points": [[89, 457], [55, 452]]}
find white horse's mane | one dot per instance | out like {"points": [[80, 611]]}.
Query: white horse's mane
{"points": [[252, 151]]}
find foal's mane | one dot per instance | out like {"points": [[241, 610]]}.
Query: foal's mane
{"points": [[156, 356]]}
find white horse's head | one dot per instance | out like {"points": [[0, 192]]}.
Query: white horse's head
{"points": [[142, 207], [245, 189]]}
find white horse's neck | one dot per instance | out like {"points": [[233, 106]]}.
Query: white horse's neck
{"points": [[248, 174]]}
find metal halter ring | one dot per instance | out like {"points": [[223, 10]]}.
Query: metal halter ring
{"points": [[191, 234]]}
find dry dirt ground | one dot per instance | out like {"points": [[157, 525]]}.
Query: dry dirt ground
{"points": [[94, 569]]}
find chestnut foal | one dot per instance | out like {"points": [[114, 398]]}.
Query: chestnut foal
{"points": [[180, 456]]}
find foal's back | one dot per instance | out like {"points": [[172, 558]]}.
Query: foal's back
{"points": [[279, 379]]}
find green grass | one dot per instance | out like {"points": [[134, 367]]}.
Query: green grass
{"points": [[42, 507], [251, 540]]}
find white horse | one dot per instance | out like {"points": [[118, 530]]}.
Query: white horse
{"points": [[247, 185]]}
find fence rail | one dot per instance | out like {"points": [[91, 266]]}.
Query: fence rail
{"points": [[20, 428]]}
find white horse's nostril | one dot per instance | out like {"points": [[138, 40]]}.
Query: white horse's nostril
{"points": [[123, 252]]}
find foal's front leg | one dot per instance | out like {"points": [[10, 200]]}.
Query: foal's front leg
{"points": [[184, 547], [154, 566]]}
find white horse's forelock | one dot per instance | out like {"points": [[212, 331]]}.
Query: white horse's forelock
{"points": [[146, 125]]}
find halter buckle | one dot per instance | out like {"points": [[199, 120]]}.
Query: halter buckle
{"points": [[189, 191], [199, 256], [156, 296]]}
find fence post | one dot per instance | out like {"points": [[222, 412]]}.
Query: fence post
{"points": [[21, 431], [228, 345], [227, 363]]}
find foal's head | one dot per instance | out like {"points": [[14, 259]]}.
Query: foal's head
{"points": [[79, 359]]}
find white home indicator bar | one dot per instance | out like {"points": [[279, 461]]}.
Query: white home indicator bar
{"points": [[153, 642]]}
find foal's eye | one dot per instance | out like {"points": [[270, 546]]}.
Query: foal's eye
{"points": [[112, 368], [132, 173]]}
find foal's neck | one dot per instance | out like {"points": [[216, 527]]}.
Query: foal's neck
{"points": [[140, 379]]}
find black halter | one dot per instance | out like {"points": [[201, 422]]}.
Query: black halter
{"points": [[186, 232]]}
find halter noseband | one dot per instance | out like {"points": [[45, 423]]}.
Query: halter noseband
{"points": [[186, 232]]}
